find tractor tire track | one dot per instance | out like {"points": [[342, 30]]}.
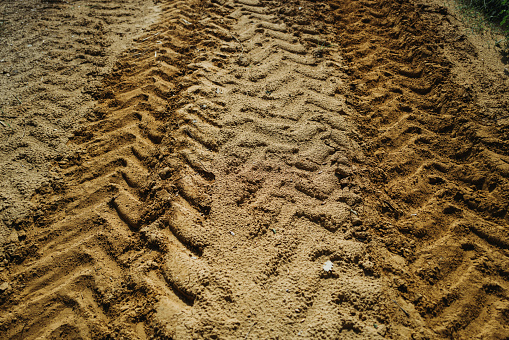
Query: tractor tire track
{"points": [[90, 268], [269, 177], [225, 169], [54, 56], [439, 171]]}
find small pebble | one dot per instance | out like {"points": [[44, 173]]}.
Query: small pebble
{"points": [[165, 173], [4, 286]]}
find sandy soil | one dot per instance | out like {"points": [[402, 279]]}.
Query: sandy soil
{"points": [[53, 57], [251, 169]]}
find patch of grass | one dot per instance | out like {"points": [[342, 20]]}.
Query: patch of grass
{"points": [[487, 15]]}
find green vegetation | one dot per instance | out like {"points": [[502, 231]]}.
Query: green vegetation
{"points": [[485, 15], [505, 11]]}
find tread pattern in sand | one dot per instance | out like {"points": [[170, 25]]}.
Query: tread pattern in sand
{"points": [[53, 58], [268, 191], [439, 168], [207, 195], [90, 265]]}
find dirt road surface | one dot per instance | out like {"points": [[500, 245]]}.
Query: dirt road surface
{"points": [[250, 169]]}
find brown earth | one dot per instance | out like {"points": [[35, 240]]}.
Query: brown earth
{"points": [[53, 57], [200, 187]]}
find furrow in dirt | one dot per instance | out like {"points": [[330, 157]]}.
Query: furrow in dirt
{"points": [[439, 167]]}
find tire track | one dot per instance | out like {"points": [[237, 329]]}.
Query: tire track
{"points": [[222, 169], [54, 57], [438, 172], [268, 178], [90, 266]]}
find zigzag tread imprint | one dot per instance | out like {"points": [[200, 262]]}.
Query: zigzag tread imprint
{"points": [[91, 263], [442, 201], [269, 167]]}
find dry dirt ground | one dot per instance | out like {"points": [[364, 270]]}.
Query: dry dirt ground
{"points": [[251, 169]]}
